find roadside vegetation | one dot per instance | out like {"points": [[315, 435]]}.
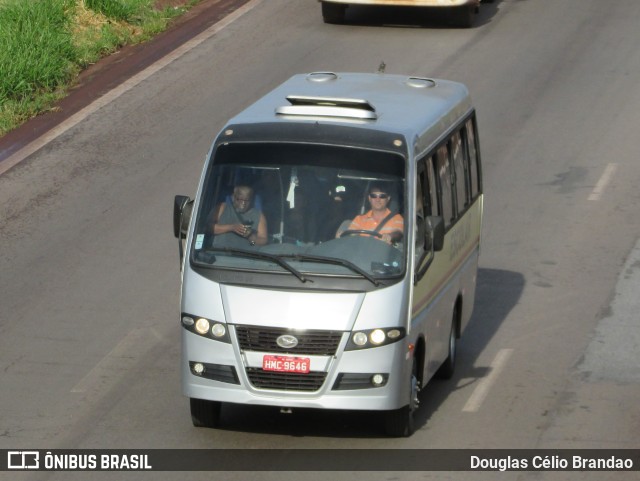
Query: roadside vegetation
{"points": [[45, 44]]}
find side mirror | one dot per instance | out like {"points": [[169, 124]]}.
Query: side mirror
{"points": [[436, 232], [182, 206]]}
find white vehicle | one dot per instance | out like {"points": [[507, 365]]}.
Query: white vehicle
{"points": [[464, 11], [295, 292]]}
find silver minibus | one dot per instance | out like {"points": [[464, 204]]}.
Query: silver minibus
{"points": [[330, 253]]}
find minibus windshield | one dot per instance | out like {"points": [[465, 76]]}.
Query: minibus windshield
{"points": [[305, 209]]}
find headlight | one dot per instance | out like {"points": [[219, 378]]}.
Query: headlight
{"points": [[377, 336], [374, 338], [202, 326], [359, 338], [218, 330], [213, 330], [394, 333]]}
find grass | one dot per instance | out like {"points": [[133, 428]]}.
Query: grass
{"points": [[45, 44]]}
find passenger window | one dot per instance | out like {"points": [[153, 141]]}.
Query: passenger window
{"points": [[457, 155], [432, 194], [473, 159], [420, 209], [420, 197], [444, 179]]}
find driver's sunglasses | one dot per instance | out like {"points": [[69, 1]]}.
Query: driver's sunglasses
{"points": [[378, 196]]}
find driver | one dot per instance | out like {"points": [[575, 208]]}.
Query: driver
{"points": [[380, 218]]}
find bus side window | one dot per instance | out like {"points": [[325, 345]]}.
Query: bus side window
{"points": [[420, 192], [460, 174], [473, 159], [443, 167], [421, 188], [432, 193]]}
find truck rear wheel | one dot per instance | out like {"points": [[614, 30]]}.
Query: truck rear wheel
{"points": [[333, 12], [463, 16]]}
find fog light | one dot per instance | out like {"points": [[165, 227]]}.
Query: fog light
{"points": [[377, 336], [377, 379], [188, 321], [359, 338], [202, 326], [218, 330], [198, 368]]}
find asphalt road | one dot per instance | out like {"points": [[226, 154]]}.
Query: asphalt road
{"points": [[89, 334]]}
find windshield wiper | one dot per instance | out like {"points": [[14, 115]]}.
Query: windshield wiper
{"points": [[279, 259], [259, 255], [334, 260]]}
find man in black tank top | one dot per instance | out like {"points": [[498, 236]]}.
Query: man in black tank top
{"points": [[238, 223]]}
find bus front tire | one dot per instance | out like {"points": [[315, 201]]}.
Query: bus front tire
{"points": [[205, 414], [400, 423]]}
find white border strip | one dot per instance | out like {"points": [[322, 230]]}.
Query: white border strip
{"points": [[124, 87], [597, 191], [482, 389]]}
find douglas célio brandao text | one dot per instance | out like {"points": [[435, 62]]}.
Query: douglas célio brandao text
{"points": [[550, 462]]}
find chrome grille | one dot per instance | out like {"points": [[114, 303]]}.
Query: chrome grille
{"points": [[285, 381], [310, 342]]}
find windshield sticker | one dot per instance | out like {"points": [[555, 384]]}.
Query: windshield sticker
{"points": [[199, 241]]}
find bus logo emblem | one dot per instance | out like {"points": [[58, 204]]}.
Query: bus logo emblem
{"points": [[287, 341]]}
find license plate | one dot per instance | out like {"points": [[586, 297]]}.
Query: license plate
{"points": [[286, 364]]}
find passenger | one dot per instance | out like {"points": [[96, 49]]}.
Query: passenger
{"points": [[379, 219], [238, 223]]}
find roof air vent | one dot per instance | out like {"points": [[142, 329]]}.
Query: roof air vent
{"points": [[421, 83], [321, 76]]}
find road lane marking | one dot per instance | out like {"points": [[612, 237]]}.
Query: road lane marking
{"points": [[484, 386], [124, 87], [122, 358], [605, 178]]}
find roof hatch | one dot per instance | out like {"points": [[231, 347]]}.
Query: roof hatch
{"points": [[328, 107]]}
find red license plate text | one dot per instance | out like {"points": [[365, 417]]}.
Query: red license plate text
{"points": [[286, 364]]}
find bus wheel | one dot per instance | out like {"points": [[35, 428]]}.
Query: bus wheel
{"points": [[333, 12], [400, 423], [205, 414], [448, 366]]}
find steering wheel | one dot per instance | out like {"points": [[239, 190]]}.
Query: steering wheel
{"points": [[361, 232]]}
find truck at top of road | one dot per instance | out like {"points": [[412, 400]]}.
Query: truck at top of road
{"points": [[462, 12]]}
